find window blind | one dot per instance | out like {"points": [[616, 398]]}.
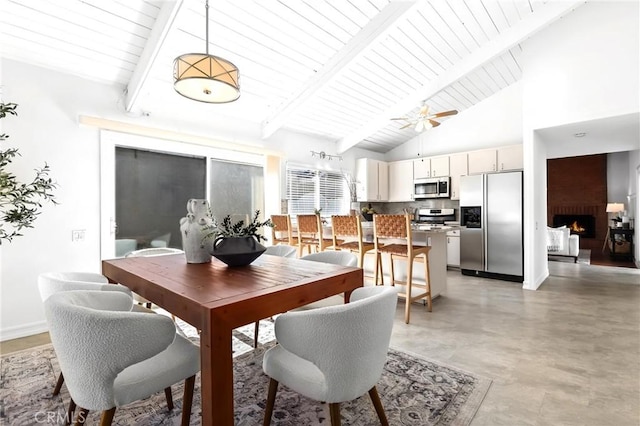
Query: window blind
{"points": [[310, 189]]}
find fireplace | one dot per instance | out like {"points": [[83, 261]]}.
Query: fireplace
{"points": [[581, 224]]}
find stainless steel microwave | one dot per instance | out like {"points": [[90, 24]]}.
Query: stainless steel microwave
{"points": [[432, 188]]}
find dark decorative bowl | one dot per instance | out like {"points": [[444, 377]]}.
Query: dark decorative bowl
{"points": [[368, 216], [237, 251]]}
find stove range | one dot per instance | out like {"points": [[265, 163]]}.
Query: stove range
{"points": [[434, 216]]}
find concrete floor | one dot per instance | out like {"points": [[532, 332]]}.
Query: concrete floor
{"points": [[567, 354]]}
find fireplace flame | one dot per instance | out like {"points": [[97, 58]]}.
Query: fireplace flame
{"points": [[575, 227]]}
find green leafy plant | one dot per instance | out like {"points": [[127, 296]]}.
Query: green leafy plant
{"points": [[20, 203], [368, 210], [239, 229]]}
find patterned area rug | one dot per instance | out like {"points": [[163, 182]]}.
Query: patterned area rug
{"points": [[414, 391]]}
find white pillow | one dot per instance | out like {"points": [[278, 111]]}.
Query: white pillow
{"points": [[557, 239]]}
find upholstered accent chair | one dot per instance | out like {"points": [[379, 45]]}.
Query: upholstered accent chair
{"points": [[110, 356], [560, 242], [333, 354]]}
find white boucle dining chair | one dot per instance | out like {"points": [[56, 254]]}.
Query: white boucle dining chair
{"points": [[111, 356], [282, 250], [52, 282], [343, 258], [148, 252], [333, 354]]}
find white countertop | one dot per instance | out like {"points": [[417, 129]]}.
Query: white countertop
{"points": [[417, 227]]}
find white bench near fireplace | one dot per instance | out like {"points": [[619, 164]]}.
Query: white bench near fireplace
{"points": [[560, 242]]}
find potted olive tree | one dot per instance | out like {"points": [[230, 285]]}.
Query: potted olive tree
{"points": [[20, 202]]}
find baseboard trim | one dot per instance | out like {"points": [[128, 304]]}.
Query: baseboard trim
{"points": [[528, 285], [24, 330]]}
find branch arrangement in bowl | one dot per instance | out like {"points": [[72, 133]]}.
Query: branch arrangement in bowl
{"points": [[227, 228]]}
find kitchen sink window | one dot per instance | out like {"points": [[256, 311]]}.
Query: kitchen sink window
{"points": [[311, 189]]}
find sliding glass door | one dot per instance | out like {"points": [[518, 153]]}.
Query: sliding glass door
{"points": [[146, 183], [236, 189], [152, 190]]}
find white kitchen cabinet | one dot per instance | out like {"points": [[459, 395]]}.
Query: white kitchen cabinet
{"points": [[510, 158], [440, 166], [482, 161], [401, 180], [453, 247], [422, 168], [372, 180], [457, 168], [429, 167]]}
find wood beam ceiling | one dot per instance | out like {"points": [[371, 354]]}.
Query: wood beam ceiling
{"points": [[486, 53]]}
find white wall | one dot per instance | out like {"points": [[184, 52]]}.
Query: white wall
{"points": [[584, 66], [632, 192], [535, 211], [47, 130], [634, 199], [495, 121], [581, 68], [618, 178]]}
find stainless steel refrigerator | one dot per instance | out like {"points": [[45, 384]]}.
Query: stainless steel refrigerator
{"points": [[491, 234]]}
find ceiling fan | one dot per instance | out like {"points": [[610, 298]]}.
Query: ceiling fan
{"points": [[425, 119]]}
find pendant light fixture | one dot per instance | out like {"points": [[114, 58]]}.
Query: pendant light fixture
{"points": [[206, 78]]}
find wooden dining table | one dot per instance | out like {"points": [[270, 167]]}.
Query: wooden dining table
{"points": [[216, 298]]}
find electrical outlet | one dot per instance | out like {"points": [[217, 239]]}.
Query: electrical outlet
{"points": [[77, 235]]}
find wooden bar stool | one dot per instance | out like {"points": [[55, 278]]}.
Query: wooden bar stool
{"points": [[396, 226], [350, 229], [310, 234], [281, 232]]}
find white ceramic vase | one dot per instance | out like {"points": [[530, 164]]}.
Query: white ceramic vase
{"points": [[193, 242]]}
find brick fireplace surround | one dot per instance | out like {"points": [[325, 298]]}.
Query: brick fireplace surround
{"points": [[578, 185]]}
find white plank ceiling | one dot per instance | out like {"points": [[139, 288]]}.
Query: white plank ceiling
{"points": [[336, 69]]}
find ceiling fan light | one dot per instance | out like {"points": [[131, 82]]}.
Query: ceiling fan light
{"points": [[419, 126], [206, 78]]}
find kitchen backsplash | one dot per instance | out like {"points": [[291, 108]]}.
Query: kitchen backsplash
{"points": [[398, 208]]}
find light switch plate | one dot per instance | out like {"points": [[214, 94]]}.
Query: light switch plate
{"points": [[77, 235]]}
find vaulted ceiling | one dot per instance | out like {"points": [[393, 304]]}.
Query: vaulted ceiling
{"points": [[335, 69]]}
